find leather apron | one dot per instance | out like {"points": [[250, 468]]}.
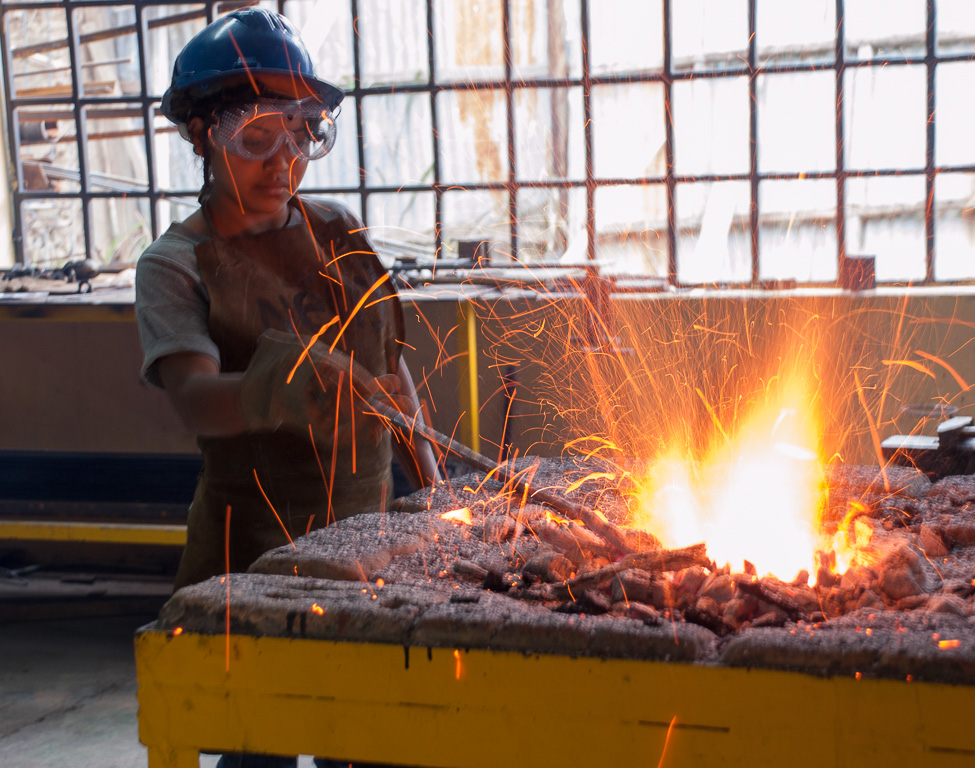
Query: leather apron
{"points": [[278, 485]]}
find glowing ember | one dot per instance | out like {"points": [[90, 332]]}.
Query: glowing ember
{"points": [[458, 516], [756, 497], [948, 644]]}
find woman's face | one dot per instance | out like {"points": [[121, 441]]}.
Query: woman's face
{"points": [[246, 193]]}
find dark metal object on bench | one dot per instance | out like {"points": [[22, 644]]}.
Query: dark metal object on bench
{"points": [[951, 452]]}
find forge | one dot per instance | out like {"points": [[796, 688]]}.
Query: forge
{"points": [[474, 608]]}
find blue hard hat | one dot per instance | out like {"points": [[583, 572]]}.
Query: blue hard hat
{"points": [[249, 41]]}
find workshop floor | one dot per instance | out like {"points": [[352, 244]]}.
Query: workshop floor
{"points": [[67, 677]]}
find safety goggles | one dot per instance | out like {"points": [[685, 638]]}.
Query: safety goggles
{"points": [[258, 129]]}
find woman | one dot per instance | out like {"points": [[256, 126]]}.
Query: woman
{"points": [[266, 318]]}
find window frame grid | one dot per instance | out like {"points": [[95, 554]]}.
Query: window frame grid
{"points": [[78, 103]]}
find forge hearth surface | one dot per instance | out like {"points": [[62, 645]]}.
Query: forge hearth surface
{"points": [[512, 579]]}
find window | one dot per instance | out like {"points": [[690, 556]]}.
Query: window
{"points": [[701, 141]]}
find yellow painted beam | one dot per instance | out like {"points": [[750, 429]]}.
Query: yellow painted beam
{"points": [[467, 374], [114, 533], [447, 708]]}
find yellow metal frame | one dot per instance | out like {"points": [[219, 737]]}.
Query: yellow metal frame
{"points": [[109, 533], [482, 709], [467, 374]]}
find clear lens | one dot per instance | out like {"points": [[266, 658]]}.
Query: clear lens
{"points": [[257, 131]]}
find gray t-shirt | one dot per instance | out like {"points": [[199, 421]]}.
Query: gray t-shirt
{"points": [[172, 306]]}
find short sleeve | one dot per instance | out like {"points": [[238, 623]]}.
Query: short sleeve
{"points": [[171, 304]]}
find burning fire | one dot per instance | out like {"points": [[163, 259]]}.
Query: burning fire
{"points": [[755, 496], [462, 516]]}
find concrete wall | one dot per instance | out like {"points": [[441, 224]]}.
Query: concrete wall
{"points": [[657, 369]]}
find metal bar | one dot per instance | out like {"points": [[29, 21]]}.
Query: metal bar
{"points": [[753, 140], [438, 191], [840, 67], [81, 127], [931, 41], [511, 184], [669, 178], [359, 123], [467, 372], [108, 533], [587, 134]]}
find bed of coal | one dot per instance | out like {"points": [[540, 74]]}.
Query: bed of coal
{"points": [[478, 564]]}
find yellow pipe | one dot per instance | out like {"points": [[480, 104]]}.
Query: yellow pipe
{"points": [[114, 533], [470, 428], [442, 707]]}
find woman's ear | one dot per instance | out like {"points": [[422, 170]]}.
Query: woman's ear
{"points": [[193, 132]]}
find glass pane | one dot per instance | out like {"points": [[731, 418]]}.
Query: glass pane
{"points": [[552, 225], [713, 238], [797, 230], [885, 28], [956, 26], [116, 149], [628, 131], [398, 139], [109, 50], [402, 224], [470, 46], [626, 37], [631, 229], [170, 27], [392, 41], [789, 31], [545, 39], [885, 117], [326, 30], [477, 217], [37, 41], [885, 219], [340, 167], [953, 143], [711, 126], [709, 34], [48, 156], [53, 233], [120, 229], [175, 166], [796, 122], [473, 136], [548, 134], [954, 235]]}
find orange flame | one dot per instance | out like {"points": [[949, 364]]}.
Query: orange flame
{"points": [[756, 496], [458, 516]]}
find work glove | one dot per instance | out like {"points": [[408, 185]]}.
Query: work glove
{"points": [[269, 400]]}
